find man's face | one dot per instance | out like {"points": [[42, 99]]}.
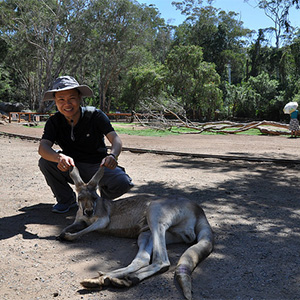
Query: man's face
{"points": [[68, 103]]}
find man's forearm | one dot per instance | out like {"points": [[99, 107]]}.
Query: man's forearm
{"points": [[50, 155], [116, 149], [46, 152]]}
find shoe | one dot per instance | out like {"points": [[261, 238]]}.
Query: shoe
{"points": [[62, 208]]}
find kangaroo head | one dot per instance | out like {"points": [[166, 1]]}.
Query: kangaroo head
{"points": [[87, 192]]}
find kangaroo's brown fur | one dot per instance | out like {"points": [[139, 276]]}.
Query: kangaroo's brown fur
{"points": [[154, 222]]}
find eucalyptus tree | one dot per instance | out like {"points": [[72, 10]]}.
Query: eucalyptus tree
{"points": [[193, 81], [143, 83], [266, 90], [43, 38], [239, 101], [258, 98], [121, 30], [278, 12], [5, 84], [256, 58], [222, 38], [295, 51]]}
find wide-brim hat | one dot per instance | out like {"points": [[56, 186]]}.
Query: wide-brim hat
{"points": [[65, 83]]}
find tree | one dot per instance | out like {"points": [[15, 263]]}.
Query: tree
{"points": [[278, 12], [255, 55], [295, 51], [5, 84], [221, 36], [143, 83], [193, 81], [44, 37], [266, 90], [121, 29], [239, 101]]}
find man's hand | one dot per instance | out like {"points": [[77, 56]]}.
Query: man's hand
{"points": [[109, 162], [65, 162]]}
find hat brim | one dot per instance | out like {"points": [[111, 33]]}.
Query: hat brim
{"points": [[85, 91]]}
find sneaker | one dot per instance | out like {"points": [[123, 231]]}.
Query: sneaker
{"points": [[62, 208]]}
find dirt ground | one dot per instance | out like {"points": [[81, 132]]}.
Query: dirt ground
{"points": [[253, 208]]}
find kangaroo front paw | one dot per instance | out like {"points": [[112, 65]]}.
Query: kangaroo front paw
{"points": [[66, 236], [61, 237]]}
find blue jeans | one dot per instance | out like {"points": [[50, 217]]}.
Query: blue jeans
{"points": [[114, 183]]}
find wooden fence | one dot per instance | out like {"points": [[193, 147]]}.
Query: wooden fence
{"points": [[36, 117]]}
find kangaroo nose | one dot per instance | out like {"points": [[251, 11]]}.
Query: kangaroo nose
{"points": [[88, 212]]}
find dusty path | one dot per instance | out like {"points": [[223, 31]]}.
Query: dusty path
{"points": [[253, 208], [278, 147]]}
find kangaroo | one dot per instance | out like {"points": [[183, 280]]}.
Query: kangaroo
{"points": [[155, 222]]}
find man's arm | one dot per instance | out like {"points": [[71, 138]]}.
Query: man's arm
{"points": [[116, 143], [111, 161], [46, 151]]}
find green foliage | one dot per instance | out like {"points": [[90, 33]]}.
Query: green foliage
{"points": [[5, 85], [240, 101], [295, 52], [256, 99], [43, 39], [131, 58], [265, 89], [144, 82], [116, 45], [193, 81], [222, 38]]}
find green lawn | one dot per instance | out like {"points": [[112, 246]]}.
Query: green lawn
{"points": [[135, 129]]}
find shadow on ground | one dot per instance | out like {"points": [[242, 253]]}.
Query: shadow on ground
{"points": [[255, 217]]}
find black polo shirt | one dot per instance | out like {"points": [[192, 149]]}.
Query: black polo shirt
{"points": [[87, 142]]}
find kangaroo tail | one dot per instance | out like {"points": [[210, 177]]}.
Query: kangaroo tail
{"points": [[194, 255]]}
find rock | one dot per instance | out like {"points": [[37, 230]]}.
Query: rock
{"points": [[11, 107]]}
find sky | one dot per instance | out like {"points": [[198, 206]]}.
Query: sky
{"points": [[252, 17]]}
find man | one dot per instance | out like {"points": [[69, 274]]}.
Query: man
{"points": [[79, 131]]}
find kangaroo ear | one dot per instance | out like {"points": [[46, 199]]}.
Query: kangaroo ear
{"points": [[74, 174], [96, 178]]}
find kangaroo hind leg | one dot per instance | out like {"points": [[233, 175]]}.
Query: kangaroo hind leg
{"points": [[159, 221], [120, 277]]}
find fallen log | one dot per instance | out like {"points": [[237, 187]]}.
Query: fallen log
{"points": [[160, 122]]}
